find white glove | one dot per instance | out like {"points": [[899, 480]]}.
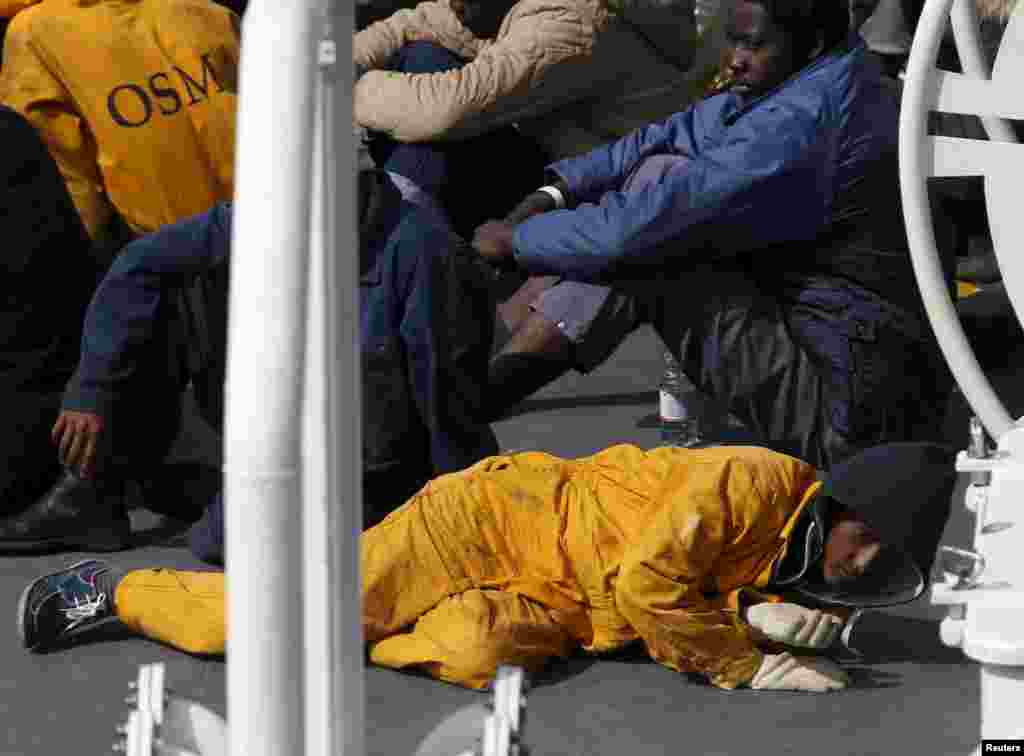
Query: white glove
{"points": [[809, 673], [794, 625]]}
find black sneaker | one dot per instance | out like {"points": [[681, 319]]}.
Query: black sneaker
{"points": [[59, 606]]}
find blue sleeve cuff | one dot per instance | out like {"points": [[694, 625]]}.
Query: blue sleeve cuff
{"points": [[93, 400]]}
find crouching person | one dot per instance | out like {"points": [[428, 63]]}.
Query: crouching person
{"points": [[729, 562], [158, 321]]}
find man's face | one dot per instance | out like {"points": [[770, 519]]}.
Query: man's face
{"points": [[762, 53], [851, 546]]}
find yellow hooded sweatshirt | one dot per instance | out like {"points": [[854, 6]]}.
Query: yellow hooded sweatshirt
{"points": [[523, 557], [135, 99]]}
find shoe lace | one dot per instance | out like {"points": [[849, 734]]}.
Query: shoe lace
{"points": [[85, 609]]}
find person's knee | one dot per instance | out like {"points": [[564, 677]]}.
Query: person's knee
{"points": [[494, 629], [425, 57]]}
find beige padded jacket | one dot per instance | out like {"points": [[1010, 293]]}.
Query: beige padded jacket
{"points": [[572, 73]]}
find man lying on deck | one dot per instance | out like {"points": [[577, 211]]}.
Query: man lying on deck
{"points": [[736, 563]]}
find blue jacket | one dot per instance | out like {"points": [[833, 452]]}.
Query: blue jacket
{"points": [[801, 183], [124, 338]]}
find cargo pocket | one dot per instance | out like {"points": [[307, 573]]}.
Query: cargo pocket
{"points": [[833, 343], [866, 411]]}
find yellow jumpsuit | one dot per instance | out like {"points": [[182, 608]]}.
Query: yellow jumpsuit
{"points": [[135, 100], [527, 556]]}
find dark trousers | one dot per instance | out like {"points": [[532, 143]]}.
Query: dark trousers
{"points": [[426, 326], [47, 274], [28, 459], [476, 179], [819, 387], [427, 323]]}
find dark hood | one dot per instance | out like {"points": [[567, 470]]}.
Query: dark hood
{"points": [[904, 491]]}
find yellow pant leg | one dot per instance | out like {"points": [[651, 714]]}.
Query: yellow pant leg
{"points": [[465, 638], [479, 528], [182, 609], [493, 526]]}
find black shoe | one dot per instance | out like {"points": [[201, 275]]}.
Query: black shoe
{"points": [[74, 514], [56, 607]]}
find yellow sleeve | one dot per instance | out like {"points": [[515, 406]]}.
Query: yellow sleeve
{"points": [[10, 8], [659, 593], [28, 86], [498, 87]]}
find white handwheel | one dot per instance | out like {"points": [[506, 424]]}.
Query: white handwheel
{"points": [[1000, 161]]}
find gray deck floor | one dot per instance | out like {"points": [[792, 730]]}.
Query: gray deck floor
{"points": [[913, 695]]}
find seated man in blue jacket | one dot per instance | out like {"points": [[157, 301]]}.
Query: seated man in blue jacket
{"points": [[158, 321], [759, 232]]}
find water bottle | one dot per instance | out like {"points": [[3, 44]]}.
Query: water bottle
{"points": [[678, 407]]}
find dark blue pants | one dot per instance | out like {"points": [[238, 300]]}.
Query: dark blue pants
{"points": [[475, 179], [426, 330]]}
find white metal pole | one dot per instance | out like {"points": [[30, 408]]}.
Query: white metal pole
{"points": [[315, 501], [332, 436], [915, 166], [344, 394], [266, 339]]}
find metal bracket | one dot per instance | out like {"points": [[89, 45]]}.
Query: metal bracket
{"points": [[327, 53], [999, 460], [962, 567], [502, 728], [162, 724]]}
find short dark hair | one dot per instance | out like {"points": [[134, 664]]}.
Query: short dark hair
{"points": [[806, 20]]}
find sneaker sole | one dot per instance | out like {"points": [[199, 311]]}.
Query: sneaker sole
{"points": [[95, 540], [23, 602]]}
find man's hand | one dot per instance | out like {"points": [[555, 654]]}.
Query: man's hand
{"points": [[533, 204], [77, 436], [794, 625], [493, 242], [813, 674]]}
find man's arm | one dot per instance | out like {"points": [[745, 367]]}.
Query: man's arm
{"points": [[28, 86], [121, 317], [767, 184], [374, 45], [716, 526], [574, 179], [659, 593], [587, 177], [507, 81]]}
